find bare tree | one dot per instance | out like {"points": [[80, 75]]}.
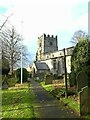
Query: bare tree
{"points": [[78, 35], [1, 27], [11, 47], [3, 24]]}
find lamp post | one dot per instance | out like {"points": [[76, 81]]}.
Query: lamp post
{"points": [[21, 51], [65, 74]]}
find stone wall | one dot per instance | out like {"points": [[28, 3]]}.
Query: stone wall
{"points": [[50, 44], [46, 44]]}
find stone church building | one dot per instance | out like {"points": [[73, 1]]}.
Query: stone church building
{"points": [[49, 58]]}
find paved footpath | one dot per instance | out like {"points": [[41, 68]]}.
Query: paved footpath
{"points": [[48, 106]]}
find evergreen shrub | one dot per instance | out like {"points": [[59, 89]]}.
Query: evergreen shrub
{"points": [[72, 79], [24, 75]]}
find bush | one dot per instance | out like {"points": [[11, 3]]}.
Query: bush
{"points": [[18, 75], [11, 82], [72, 79], [80, 56]]}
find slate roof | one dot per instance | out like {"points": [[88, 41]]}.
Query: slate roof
{"points": [[41, 66]]}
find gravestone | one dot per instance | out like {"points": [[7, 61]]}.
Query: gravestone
{"points": [[48, 79], [89, 100], [4, 84], [84, 101], [82, 80], [83, 90]]}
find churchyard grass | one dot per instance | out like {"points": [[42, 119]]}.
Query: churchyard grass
{"points": [[17, 102], [74, 106], [48, 87], [71, 102]]}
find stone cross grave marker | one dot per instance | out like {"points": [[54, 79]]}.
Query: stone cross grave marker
{"points": [[82, 80]]}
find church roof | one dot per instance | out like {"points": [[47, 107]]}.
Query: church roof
{"points": [[41, 66]]}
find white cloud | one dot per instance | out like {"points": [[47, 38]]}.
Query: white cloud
{"points": [[6, 3], [44, 16]]}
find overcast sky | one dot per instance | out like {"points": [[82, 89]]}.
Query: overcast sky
{"points": [[54, 17]]}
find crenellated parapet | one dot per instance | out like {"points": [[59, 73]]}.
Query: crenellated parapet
{"points": [[46, 44], [50, 36]]}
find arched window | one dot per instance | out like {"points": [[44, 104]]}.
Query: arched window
{"points": [[39, 44]]}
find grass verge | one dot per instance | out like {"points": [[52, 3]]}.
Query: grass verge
{"points": [[48, 87], [17, 102], [71, 103]]}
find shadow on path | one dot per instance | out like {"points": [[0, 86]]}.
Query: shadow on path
{"points": [[47, 106]]}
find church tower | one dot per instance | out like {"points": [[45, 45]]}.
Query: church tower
{"points": [[46, 44]]}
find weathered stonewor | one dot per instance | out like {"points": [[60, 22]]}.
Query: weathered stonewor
{"points": [[83, 88], [89, 99], [82, 80], [83, 95]]}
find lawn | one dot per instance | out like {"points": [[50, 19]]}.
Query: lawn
{"points": [[48, 87], [71, 103], [17, 102]]}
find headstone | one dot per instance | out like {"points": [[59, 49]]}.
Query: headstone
{"points": [[82, 80], [84, 94], [89, 100], [48, 79], [84, 101], [4, 84]]}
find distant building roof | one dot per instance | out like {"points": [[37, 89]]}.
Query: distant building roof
{"points": [[41, 66]]}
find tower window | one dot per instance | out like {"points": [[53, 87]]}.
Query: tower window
{"points": [[60, 54], [51, 43], [40, 45], [47, 56]]}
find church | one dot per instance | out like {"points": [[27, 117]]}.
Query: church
{"points": [[49, 58]]}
